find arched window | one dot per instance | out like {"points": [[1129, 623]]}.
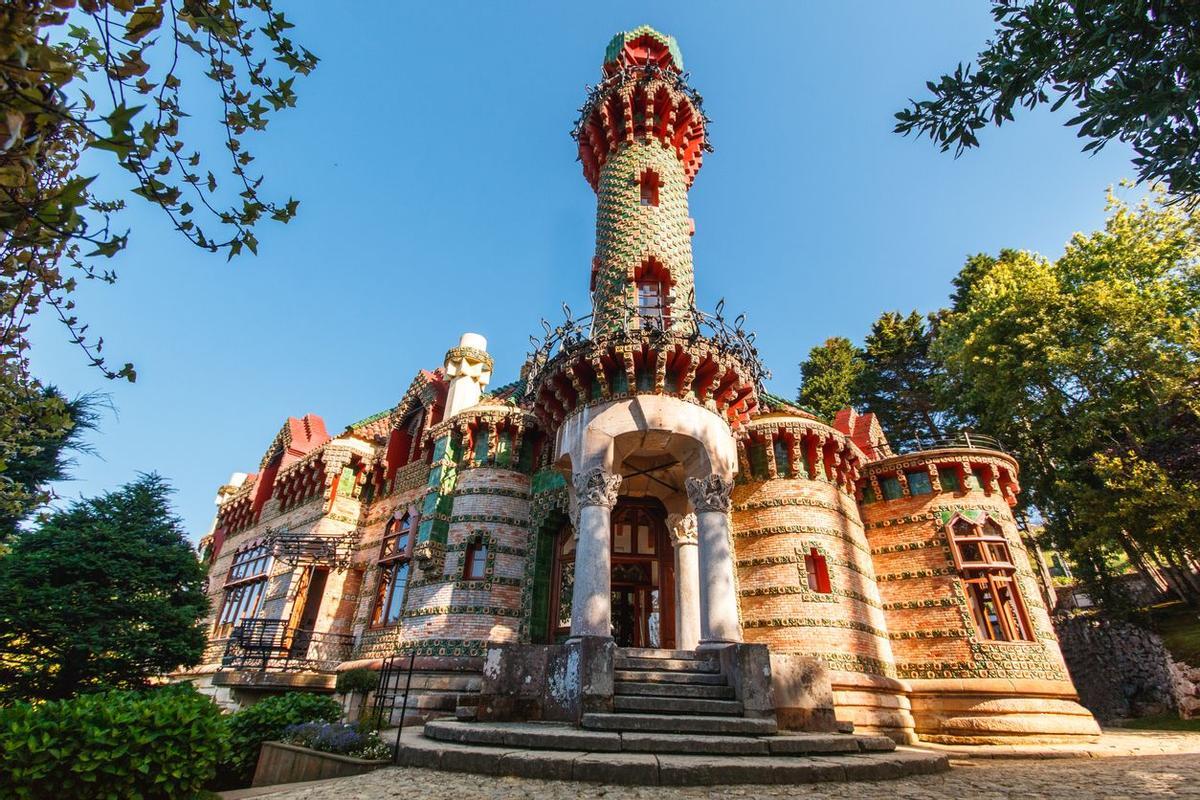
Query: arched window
{"points": [[984, 560], [817, 568], [653, 285], [395, 557]]}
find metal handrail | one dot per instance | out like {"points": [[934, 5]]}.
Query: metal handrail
{"points": [[961, 440], [269, 645]]}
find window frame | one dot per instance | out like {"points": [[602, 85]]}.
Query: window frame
{"points": [[244, 588], [476, 555], [816, 568], [395, 555], [988, 575]]}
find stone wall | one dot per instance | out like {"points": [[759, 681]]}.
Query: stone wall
{"points": [[1119, 669]]}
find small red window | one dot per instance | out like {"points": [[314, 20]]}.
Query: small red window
{"points": [[818, 572], [475, 562], [650, 184]]}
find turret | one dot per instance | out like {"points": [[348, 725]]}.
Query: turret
{"points": [[641, 141]]}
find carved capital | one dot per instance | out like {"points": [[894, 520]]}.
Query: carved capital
{"points": [[683, 529], [596, 487], [709, 494]]}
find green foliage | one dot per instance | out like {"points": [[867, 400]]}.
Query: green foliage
{"points": [[828, 376], [1088, 367], [164, 743], [38, 428], [104, 594], [900, 381], [1129, 66], [266, 721], [361, 680], [110, 76]]}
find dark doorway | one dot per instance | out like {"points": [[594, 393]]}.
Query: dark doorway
{"points": [[306, 609], [643, 577]]}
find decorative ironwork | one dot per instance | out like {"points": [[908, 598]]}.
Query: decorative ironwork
{"points": [[691, 324], [955, 441], [295, 549], [269, 645]]}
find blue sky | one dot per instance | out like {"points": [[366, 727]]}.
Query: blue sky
{"points": [[440, 194]]}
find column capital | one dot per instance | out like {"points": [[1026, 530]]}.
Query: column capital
{"points": [[682, 528], [711, 493], [596, 487]]}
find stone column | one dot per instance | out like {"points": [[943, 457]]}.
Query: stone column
{"points": [[718, 586], [591, 600], [687, 580]]}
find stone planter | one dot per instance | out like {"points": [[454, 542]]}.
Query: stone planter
{"points": [[287, 763]]}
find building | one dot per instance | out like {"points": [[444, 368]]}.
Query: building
{"points": [[636, 487]]}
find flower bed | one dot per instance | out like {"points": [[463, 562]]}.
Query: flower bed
{"points": [[316, 750]]}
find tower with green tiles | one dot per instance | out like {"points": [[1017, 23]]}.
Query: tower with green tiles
{"points": [[641, 139]]}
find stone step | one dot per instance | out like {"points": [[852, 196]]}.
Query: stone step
{"points": [[710, 692], [668, 664], [654, 652], [676, 705], [654, 676], [663, 769], [675, 723]]}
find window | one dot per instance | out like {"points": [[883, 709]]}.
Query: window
{"points": [[395, 555], [783, 458], [818, 572], [918, 482], [245, 584], [984, 560], [891, 488], [649, 183], [948, 477], [475, 562], [758, 461], [868, 492], [650, 299]]}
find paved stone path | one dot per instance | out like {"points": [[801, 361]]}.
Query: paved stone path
{"points": [[1019, 779]]}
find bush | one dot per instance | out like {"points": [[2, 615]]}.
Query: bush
{"points": [[361, 680], [163, 743], [338, 737], [265, 721]]}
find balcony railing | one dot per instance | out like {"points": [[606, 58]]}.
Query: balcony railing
{"points": [[269, 645], [963, 439], [631, 322]]}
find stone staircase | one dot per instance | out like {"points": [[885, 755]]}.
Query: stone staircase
{"points": [[676, 720], [674, 692]]}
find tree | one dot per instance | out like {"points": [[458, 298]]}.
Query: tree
{"points": [[899, 380], [104, 594], [82, 76], [828, 375], [1088, 368], [1129, 66]]}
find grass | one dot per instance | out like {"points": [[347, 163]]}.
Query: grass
{"points": [[1163, 722], [1179, 627]]}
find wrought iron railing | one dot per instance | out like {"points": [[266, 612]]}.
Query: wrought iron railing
{"points": [[296, 549], [630, 322], [638, 73], [962, 439], [269, 645]]}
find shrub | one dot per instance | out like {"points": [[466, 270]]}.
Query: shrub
{"points": [[337, 737], [159, 744], [266, 720], [361, 680]]}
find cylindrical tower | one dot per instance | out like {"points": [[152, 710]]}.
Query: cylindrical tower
{"points": [[806, 579], [969, 630], [641, 139]]}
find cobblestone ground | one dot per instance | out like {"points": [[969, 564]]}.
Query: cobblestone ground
{"points": [[1008, 779]]}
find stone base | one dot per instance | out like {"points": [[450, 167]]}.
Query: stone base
{"points": [[999, 713], [874, 704], [642, 761]]}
